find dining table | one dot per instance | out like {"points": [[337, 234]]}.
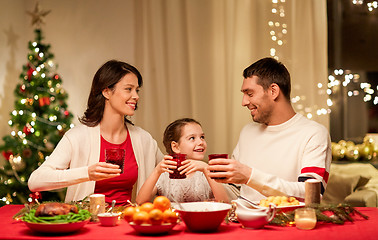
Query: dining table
{"points": [[360, 228]]}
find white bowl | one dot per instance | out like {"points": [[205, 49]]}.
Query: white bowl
{"points": [[108, 219]]}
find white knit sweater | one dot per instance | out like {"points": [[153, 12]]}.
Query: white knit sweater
{"points": [[79, 148], [282, 156]]}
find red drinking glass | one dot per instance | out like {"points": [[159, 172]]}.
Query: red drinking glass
{"points": [[178, 158], [115, 156], [218, 155]]}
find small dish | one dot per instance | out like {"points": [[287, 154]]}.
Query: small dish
{"points": [[149, 229], [108, 219]]}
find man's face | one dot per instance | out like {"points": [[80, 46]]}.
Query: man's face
{"points": [[257, 100]]}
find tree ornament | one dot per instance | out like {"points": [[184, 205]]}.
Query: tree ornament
{"points": [[27, 129], [22, 88], [30, 72], [338, 151], [352, 153], [27, 153], [7, 154], [41, 156], [44, 101], [35, 196], [38, 15]]}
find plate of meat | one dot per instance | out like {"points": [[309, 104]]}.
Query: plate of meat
{"points": [[56, 218]]}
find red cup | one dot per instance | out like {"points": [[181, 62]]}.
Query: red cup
{"points": [[178, 158], [115, 156], [218, 155]]}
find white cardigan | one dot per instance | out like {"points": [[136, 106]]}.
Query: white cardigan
{"points": [[79, 148]]}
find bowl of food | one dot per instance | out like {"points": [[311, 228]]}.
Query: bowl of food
{"points": [[108, 219], [151, 218], [202, 216], [283, 203]]}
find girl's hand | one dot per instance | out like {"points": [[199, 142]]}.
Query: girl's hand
{"points": [[103, 170], [166, 165], [190, 166]]}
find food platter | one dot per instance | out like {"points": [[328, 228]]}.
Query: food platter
{"points": [[149, 229], [56, 228]]}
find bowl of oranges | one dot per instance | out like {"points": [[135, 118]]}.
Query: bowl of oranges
{"points": [[151, 218]]}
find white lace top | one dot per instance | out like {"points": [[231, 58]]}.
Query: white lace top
{"points": [[194, 188]]}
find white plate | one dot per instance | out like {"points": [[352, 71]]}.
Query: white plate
{"points": [[286, 208]]}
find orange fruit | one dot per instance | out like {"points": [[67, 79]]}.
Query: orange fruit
{"points": [[170, 216], [147, 207], [128, 213], [156, 216], [162, 203], [141, 217], [137, 209]]}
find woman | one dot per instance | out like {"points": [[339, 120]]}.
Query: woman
{"points": [[184, 136], [78, 161]]}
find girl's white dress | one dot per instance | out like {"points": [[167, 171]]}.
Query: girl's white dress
{"points": [[193, 188]]}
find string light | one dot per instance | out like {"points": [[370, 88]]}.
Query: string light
{"points": [[350, 78], [278, 29], [371, 5]]}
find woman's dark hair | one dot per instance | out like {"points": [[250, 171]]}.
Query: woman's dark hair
{"points": [[173, 132], [269, 71], [107, 76]]}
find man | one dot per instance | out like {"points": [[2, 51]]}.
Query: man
{"points": [[275, 156]]}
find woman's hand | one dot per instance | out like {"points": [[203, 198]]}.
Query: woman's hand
{"points": [[103, 170], [190, 166], [166, 165]]}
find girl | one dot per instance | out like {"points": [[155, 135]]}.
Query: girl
{"points": [[183, 136], [78, 161]]}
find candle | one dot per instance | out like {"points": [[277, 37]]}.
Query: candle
{"points": [[312, 191], [305, 218], [96, 205], [305, 223]]}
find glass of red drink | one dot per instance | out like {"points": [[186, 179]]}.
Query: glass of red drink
{"points": [[115, 156], [178, 158], [217, 155]]}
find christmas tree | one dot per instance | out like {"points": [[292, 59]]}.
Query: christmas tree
{"points": [[38, 121]]}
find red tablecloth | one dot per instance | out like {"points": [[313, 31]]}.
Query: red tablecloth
{"points": [[359, 229]]}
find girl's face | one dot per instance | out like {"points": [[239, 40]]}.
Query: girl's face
{"points": [[122, 99], [192, 142]]}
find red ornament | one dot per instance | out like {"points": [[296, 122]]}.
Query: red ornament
{"points": [[56, 76], [66, 113], [35, 196], [27, 129], [30, 72], [22, 88], [44, 101], [7, 154]]}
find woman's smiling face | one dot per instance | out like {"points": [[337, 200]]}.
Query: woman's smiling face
{"points": [[124, 96]]}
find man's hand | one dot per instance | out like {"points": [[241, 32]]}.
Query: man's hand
{"points": [[103, 170], [229, 171]]}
